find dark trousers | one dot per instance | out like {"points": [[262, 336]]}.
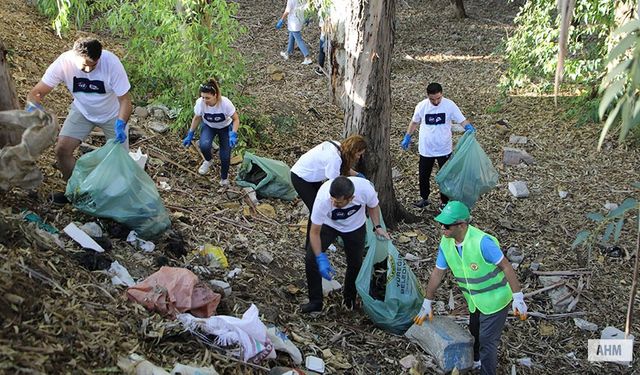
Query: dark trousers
{"points": [[424, 172], [321, 54], [353, 249], [486, 330], [207, 134], [307, 191]]}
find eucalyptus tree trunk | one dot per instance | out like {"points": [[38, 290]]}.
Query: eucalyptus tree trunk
{"points": [[359, 51], [460, 12], [8, 98]]}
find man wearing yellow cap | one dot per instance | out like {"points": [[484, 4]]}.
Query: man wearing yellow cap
{"points": [[485, 277]]}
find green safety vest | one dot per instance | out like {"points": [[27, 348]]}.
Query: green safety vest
{"points": [[483, 284]]}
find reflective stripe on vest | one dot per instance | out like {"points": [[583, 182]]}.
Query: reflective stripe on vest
{"points": [[483, 284]]}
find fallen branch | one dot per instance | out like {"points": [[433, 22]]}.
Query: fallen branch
{"points": [[559, 283], [555, 316], [158, 154], [562, 273]]}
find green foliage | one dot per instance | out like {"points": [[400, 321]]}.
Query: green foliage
{"points": [[251, 133], [172, 46], [532, 49], [609, 225], [620, 100], [581, 109], [284, 123]]}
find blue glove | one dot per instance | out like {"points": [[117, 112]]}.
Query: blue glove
{"points": [[120, 128], [405, 142], [187, 140], [233, 139], [279, 24], [326, 271], [31, 106], [359, 174], [469, 128]]}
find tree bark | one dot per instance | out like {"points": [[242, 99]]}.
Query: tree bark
{"points": [[8, 98], [460, 12], [360, 46]]}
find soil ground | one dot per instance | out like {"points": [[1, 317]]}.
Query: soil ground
{"points": [[71, 320]]}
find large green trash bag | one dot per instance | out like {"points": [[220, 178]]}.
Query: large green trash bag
{"points": [[394, 311], [469, 173], [269, 178], [108, 183]]}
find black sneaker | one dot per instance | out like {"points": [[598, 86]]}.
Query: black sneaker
{"points": [[318, 71], [59, 198], [311, 307], [350, 304], [422, 203]]}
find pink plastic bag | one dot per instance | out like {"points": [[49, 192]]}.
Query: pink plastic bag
{"points": [[173, 290]]}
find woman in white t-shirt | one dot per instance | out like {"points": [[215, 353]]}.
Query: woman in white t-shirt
{"points": [[325, 161], [217, 117]]}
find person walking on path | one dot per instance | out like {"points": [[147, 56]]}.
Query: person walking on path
{"points": [[339, 210], [294, 13], [434, 115], [485, 277], [325, 161], [217, 117]]}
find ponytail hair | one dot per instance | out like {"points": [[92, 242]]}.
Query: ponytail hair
{"points": [[211, 87], [348, 150]]}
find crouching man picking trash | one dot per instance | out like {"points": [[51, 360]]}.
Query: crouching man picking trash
{"points": [[339, 210], [485, 277]]}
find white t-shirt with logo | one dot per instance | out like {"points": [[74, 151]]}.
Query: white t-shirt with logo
{"points": [[435, 126], [295, 18], [218, 116], [350, 217], [95, 94], [320, 163]]}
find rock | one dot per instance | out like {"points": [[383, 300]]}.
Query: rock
{"points": [[158, 127], [517, 139], [273, 69], [158, 114], [515, 255], [502, 130], [448, 342], [92, 229], [265, 257], [141, 112], [519, 189], [558, 295], [408, 361], [534, 266], [585, 325], [514, 156], [563, 194]]}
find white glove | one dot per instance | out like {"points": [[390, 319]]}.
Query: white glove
{"points": [[425, 311], [518, 306]]}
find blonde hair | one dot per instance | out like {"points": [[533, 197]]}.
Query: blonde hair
{"points": [[348, 150]]}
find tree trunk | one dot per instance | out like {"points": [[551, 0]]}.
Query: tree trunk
{"points": [[360, 46], [8, 98], [460, 12]]}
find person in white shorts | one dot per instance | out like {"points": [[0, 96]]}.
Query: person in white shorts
{"points": [[100, 88]]}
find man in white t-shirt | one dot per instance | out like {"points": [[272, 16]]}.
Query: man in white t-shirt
{"points": [[339, 209], [434, 115], [100, 88], [294, 13]]}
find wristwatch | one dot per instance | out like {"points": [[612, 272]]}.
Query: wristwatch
{"points": [[376, 227]]}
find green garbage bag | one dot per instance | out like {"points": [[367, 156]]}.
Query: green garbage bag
{"points": [[469, 173], [269, 178], [108, 183], [390, 292]]}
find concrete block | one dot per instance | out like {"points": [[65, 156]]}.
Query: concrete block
{"points": [[517, 139], [515, 156], [444, 339], [519, 189], [141, 112]]}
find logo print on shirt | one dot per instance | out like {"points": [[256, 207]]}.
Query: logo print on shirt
{"points": [[214, 117], [435, 118], [86, 85], [344, 213]]}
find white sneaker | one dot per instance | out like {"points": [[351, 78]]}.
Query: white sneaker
{"points": [[307, 61], [476, 365], [204, 167], [284, 55], [224, 182]]}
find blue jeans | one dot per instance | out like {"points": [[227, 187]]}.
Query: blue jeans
{"points": [[297, 37], [207, 134], [321, 54]]}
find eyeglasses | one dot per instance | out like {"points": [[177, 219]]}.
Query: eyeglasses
{"points": [[208, 88], [448, 226]]}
